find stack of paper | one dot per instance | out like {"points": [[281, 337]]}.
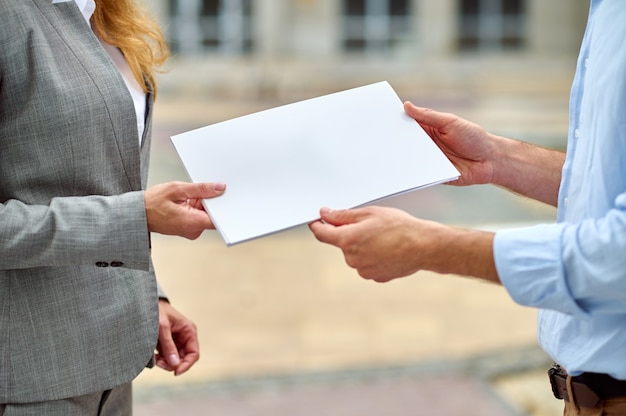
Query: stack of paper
{"points": [[282, 165]]}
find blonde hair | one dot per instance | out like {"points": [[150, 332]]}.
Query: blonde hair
{"points": [[125, 25]]}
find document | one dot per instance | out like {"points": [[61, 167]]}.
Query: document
{"points": [[281, 165]]}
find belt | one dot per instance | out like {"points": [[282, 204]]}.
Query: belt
{"points": [[588, 389]]}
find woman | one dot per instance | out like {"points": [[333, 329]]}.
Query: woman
{"points": [[80, 311]]}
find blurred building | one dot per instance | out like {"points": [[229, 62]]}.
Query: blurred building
{"points": [[277, 47]]}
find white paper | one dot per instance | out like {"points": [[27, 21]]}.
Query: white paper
{"points": [[282, 165]]}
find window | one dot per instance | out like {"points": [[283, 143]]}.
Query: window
{"points": [[210, 26], [375, 25], [492, 24]]}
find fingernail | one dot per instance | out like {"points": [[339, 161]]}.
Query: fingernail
{"points": [[173, 360], [219, 186], [325, 210]]}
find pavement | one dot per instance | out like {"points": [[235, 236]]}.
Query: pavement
{"points": [[394, 391], [286, 328]]}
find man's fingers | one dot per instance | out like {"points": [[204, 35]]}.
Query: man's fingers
{"points": [[428, 117], [324, 233], [329, 231], [343, 216]]}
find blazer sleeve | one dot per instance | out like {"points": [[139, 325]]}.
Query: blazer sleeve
{"points": [[96, 230]]}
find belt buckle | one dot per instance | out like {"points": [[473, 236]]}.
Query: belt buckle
{"points": [[558, 382], [583, 395]]}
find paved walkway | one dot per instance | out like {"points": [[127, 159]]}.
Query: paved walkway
{"points": [[468, 387], [443, 395]]}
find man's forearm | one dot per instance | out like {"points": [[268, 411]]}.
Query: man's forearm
{"points": [[464, 252], [529, 170]]}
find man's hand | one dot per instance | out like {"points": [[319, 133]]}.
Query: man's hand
{"points": [[380, 243], [175, 208], [482, 157], [386, 243], [177, 347], [468, 146]]}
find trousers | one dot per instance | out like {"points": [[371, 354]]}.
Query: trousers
{"points": [[115, 402], [610, 407]]}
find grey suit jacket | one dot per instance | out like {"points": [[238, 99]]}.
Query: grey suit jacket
{"points": [[78, 298]]}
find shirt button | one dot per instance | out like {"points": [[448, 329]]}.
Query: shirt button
{"points": [[586, 62], [102, 264], [117, 263], [577, 133]]}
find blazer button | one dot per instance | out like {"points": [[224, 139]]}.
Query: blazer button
{"points": [[102, 264], [117, 263]]}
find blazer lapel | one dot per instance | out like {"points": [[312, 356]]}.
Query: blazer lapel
{"points": [[71, 27], [146, 139]]}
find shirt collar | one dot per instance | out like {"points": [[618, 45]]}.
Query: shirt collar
{"points": [[87, 7]]}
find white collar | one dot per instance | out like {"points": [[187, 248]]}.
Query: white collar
{"points": [[87, 7]]}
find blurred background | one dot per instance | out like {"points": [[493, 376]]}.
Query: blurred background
{"points": [[286, 328]]}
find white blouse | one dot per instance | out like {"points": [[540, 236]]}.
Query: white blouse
{"points": [[87, 7]]}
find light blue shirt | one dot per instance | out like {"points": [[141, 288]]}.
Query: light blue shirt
{"points": [[575, 270]]}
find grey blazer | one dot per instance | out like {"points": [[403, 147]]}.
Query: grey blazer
{"points": [[78, 298]]}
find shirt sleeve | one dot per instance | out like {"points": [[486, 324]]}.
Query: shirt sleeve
{"points": [[575, 268]]}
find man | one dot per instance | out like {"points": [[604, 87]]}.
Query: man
{"points": [[573, 271]]}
